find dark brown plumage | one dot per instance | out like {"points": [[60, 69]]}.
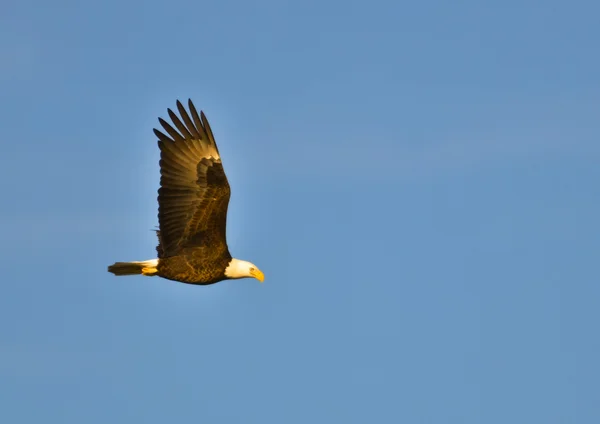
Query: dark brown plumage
{"points": [[193, 198]]}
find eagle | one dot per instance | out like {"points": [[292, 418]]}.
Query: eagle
{"points": [[192, 208]]}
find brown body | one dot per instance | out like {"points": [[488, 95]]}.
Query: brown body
{"points": [[191, 267]]}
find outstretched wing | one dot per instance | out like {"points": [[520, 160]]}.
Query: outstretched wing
{"points": [[194, 191]]}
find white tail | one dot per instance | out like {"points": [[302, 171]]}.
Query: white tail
{"points": [[148, 268]]}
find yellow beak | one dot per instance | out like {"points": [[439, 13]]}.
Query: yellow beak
{"points": [[257, 273]]}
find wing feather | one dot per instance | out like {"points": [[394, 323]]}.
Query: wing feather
{"points": [[196, 117], [172, 131], [180, 126], [188, 122]]}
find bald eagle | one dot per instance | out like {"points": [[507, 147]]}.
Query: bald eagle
{"points": [[192, 208]]}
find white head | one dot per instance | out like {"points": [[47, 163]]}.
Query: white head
{"points": [[243, 269]]}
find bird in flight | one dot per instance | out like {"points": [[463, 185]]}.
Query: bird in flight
{"points": [[192, 208]]}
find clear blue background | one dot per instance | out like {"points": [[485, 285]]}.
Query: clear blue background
{"points": [[419, 182]]}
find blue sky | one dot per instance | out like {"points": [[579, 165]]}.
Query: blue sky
{"points": [[419, 183]]}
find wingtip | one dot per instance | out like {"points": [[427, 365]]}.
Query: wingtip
{"points": [[161, 136], [171, 114]]}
